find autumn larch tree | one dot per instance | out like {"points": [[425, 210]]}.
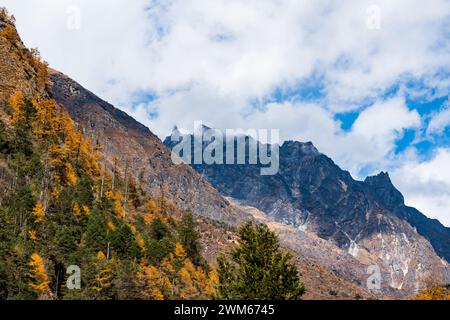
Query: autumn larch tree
{"points": [[40, 280]]}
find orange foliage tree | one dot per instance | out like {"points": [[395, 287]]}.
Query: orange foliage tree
{"points": [[103, 276], [17, 103], [187, 281], [38, 274], [155, 285], [39, 212], [436, 292]]}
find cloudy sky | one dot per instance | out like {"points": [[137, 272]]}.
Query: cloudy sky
{"points": [[366, 81]]}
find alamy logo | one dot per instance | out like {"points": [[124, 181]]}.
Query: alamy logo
{"points": [[207, 146], [74, 280]]}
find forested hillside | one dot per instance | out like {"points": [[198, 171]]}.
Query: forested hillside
{"points": [[61, 205]]}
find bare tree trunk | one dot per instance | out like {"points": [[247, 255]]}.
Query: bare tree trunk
{"points": [[44, 183], [126, 189], [113, 175], [107, 251], [103, 179]]}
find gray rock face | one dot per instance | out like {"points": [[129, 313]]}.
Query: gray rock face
{"points": [[311, 192]]}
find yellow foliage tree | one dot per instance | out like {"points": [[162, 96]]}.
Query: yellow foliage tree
{"points": [[74, 149], [103, 277], [78, 148], [167, 265], [76, 209], [39, 212], [17, 103], [118, 199], [57, 162], [48, 123], [153, 211], [187, 281], [140, 241], [111, 225], [180, 253], [32, 234], [210, 284], [9, 33], [42, 73], [155, 284], [187, 288], [86, 209], [195, 283], [70, 175], [434, 293], [40, 283]]}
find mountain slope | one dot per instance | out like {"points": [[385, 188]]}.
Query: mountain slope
{"points": [[62, 215], [312, 193], [131, 147]]}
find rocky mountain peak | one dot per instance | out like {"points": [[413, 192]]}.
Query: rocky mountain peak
{"points": [[381, 178], [300, 148], [385, 190]]}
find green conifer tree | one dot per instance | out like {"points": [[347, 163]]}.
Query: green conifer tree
{"points": [[189, 238], [257, 269]]}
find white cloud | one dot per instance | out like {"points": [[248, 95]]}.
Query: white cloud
{"points": [[426, 185], [371, 139], [238, 48], [378, 121], [439, 121], [209, 60]]}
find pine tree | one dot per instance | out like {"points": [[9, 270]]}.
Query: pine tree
{"points": [[124, 242], [126, 283], [4, 141], [257, 269], [95, 238], [189, 238]]}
